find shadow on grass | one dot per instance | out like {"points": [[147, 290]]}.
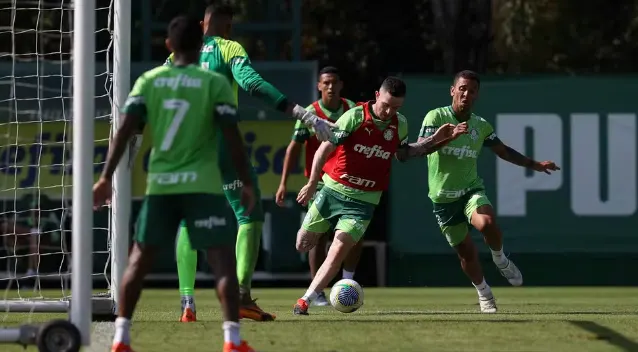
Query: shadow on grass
{"points": [[606, 334]]}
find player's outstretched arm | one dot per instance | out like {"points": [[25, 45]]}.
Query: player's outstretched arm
{"points": [[429, 144], [510, 154], [252, 82]]}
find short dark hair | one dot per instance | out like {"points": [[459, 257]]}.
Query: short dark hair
{"points": [[185, 34], [467, 74], [220, 9], [331, 70], [395, 86]]}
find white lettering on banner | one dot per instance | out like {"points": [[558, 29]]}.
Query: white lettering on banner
{"points": [[586, 165], [172, 178], [374, 151], [357, 181], [513, 183]]}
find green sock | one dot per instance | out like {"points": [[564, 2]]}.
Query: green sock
{"points": [[247, 251], [186, 263]]}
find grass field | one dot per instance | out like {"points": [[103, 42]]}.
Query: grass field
{"points": [[425, 319]]}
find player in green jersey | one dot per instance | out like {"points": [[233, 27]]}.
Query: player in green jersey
{"points": [[332, 106], [457, 192], [228, 58], [187, 109], [355, 177]]}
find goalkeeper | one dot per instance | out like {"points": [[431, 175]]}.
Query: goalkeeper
{"points": [[229, 58]]}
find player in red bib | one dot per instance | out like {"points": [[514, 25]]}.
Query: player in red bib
{"points": [[367, 138], [330, 107]]}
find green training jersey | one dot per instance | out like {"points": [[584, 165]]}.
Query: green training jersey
{"points": [[301, 132], [452, 170], [183, 107], [349, 122]]}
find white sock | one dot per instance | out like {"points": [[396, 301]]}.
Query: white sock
{"points": [[310, 296], [499, 258], [188, 301], [231, 332], [348, 274], [122, 331], [483, 289]]}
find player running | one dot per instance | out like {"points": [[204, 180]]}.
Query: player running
{"points": [[355, 176], [331, 106], [229, 58], [457, 192], [187, 110]]}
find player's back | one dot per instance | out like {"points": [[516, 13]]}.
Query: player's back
{"points": [[218, 55], [185, 138]]}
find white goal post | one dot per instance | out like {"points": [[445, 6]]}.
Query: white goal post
{"points": [[45, 79]]}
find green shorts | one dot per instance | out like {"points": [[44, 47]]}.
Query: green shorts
{"points": [[160, 216], [232, 190], [454, 217], [319, 187], [331, 208]]}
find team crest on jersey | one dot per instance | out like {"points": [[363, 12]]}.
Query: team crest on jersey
{"points": [[388, 135], [474, 134]]}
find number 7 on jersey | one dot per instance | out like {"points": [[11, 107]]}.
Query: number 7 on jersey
{"points": [[182, 107]]}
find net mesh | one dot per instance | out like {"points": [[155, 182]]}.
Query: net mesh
{"points": [[35, 147]]}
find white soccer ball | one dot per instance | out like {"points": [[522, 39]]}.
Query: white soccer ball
{"points": [[346, 296]]}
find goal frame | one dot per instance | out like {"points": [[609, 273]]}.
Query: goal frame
{"points": [[83, 307]]}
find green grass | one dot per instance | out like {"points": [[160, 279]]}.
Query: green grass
{"points": [[427, 319]]}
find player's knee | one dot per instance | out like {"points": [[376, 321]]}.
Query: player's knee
{"points": [[466, 250], [483, 223], [306, 240]]}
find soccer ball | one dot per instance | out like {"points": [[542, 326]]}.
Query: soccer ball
{"points": [[346, 296]]}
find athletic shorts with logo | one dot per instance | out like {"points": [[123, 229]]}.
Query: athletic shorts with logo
{"points": [[232, 190], [453, 218], [331, 208], [161, 215]]}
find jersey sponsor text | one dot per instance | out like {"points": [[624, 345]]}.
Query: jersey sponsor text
{"points": [[181, 81], [374, 151], [358, 180], [462, 152], [172, 178]]}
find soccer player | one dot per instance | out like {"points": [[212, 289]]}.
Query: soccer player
{"points": [[187, 109], [457, 192], [330, 106], [355, 176], [227, 57]]}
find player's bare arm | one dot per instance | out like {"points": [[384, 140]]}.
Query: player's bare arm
{"points": [[306, 193], [428, 145], [128, 128], [291, 158], [509, 154]]}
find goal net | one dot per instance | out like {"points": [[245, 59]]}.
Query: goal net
{"points": [[38, 168]]}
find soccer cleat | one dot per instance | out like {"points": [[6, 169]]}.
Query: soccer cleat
{"points": [[321, 300], [301, 308], [121, 347], [487, 304], [188, 316], [250, 310], [243, 347], [511, 273]]}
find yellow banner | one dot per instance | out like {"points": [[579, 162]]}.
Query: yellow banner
{"points": [[266, 142], [35, 158]]}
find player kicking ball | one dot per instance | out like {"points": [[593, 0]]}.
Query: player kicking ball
{"points": [[330, 107], [228, 58], [457, 192], [355, 176], [187, 110]]}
